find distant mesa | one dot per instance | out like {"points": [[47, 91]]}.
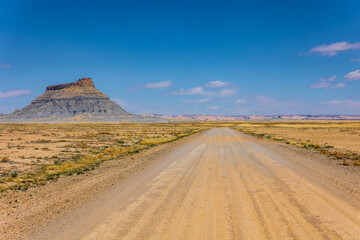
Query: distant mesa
{"points": [[76, 101]]}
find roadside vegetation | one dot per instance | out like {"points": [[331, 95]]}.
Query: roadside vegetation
{"points": [[338, 140], [32, 154]]}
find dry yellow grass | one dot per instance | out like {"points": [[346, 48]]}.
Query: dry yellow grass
{"points": [[36, 153], [340, 140], [156, 141]]}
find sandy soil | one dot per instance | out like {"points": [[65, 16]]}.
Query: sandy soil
{"points": [[343, 136], [27, 149], [220, 184]]}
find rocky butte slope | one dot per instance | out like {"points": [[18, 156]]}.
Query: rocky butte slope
{"points": [[73, 102]]}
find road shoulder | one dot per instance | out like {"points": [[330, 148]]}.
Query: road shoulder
{"points": [[330, 174]]}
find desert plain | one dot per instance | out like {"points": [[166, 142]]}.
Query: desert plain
{"points": [[189, 180]]}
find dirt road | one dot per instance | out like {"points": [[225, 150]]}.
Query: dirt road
{"points": [[220, 185]]}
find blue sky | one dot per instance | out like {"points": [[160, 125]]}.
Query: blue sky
{"points": [[187, 57]]}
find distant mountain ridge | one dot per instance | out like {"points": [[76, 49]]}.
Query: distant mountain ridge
{"points": [[200, 117]]}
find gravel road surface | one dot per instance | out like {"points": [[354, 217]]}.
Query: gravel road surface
{"points": [[220, 185]]}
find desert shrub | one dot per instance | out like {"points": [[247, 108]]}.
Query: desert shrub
{"points": [[89, 136], [346, 162], [5, 159], [337, 155], [355, 156], [357, 163], [104, 133], [156, 141], [278, 139], [121, 141], [312, 145], [42, 141], [82, 145], [116, 151]]}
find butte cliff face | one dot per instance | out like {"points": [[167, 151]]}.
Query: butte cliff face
{"points": [[77, 101]]}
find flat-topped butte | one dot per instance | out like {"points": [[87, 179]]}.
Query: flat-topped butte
{"points": [[78, 101]]}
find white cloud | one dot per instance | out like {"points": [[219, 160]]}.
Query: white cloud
{"points": [[227, 92], [352, 76], [330, 79], [355, 60], [216, 84], [326, 83], [14, 93], [157, 85], [163, 84], [196, 101], [212, 107], [5, 66], [346, 103], [333, 49], [240, 101], [339, 85], [200, 90], [191, 91], [336, 102], [320, 85], [265, 100]]}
